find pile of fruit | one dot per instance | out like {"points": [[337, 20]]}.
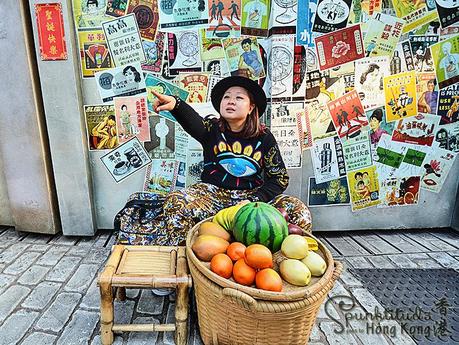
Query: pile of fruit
{"points": [[240, 242]]}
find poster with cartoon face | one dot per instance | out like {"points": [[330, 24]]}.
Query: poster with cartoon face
{"points": [[331, 15], [89, 13]]}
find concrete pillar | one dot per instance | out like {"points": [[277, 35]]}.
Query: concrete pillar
{"points": [[26, 168], [61, 90]]}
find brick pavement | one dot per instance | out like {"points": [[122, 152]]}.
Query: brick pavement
{"points": [[48, 292]]}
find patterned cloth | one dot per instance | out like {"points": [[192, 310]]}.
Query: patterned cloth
{"points": [[184, 208]]}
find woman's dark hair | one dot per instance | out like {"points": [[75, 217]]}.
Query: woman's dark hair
{"points": [[246, 41], [433, 81], [377, 114], [124, 105], [201, 5], [92, 2], [111, 117], [371, 68], [133, 70], [252, 126], [358, 174]]}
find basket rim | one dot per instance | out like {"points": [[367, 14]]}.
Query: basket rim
{"points": [[294, 295]]}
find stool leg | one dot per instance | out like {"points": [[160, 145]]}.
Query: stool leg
{"points": [[121, 293], [106, 314], [181, 315]]}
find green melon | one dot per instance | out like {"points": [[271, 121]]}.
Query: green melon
{"points": [[258, 222]]}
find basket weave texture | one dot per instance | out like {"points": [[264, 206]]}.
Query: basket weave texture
{"points": [[230, 313]]}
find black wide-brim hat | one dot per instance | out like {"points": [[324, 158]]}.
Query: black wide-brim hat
{"points": [[259, 96]]}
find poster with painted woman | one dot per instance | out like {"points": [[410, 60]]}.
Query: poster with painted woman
{"points": [[224, 18], [131, 115], [369, 74], [331, 15], [243, 57], [89, 13]]}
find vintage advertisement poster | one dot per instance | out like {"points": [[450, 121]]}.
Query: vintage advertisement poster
{"points": [[179, 175], [348, 115], [285, 129], [183, 51], [418, 130], [383, 34], [101, 127], [162, 138], [422, 57], [400, 191], [320, 120], [159, 176], [364, 188], [154, 83], [447, 136], [446, 59], [181, 143], [89, 14], [146, 13], [243, 57], [288, 140], [120, 81], [154, 52], [299, 72], [116, 8], [328, 159], [194, 166], [132, 118], [94, 54], [304, 128], [217, 68], [126, 159], [331, 15], [361, 11], [123, 38], [448, 12], [448, 104], [196, 84], [331, 193], [415, 13], [280, 66], [402, 60], [182, 14], [210, 48], [400, 95], [378, 125], [50, 30], [339, 47], [436, 167], [283, 18], [306, 15], [427, 92], [357, 152], [389, 156], [213, 79], [224, 18], [255, 17], [369, 75]]}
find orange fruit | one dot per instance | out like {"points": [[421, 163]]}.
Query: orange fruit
{"points": [[243, 273], [268, 279], [236, 251], [258, 256], [222, 265]]}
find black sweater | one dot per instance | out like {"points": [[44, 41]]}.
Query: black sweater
{"points": [[233, 162]]}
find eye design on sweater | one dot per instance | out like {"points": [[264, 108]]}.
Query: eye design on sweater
{"points": [[238, 166]]}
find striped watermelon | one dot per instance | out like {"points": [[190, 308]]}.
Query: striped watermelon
{"points": [[258, 222]]}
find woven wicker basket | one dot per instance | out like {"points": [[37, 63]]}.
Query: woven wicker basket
{"points": [[233, 314]]}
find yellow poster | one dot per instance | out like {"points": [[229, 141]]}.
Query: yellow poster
{"points": [[415, 13], [94, 54], [400, 96], [363, 187]]}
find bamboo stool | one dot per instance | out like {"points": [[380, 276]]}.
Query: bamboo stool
{"points": [[144, 267]]}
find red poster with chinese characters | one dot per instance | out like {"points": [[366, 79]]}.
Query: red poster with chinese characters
{"points": [[348, 115], [339, 47], [50, 25]]}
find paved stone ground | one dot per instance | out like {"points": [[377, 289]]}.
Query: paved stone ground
{"points": [[48, 292]]}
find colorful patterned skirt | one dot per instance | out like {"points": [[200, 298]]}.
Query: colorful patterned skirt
{"points": [[184, 208]]}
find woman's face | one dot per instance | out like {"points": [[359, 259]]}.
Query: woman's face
{"points": [[246, 47], [130, 76], [235, 104], [374, 124], [372, 76], [430, 86]]}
